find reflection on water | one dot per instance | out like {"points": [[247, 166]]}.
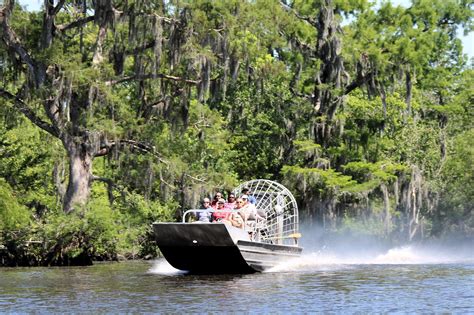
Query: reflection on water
{"points": [[402, 280]]}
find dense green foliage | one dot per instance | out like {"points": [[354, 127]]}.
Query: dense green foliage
{"points": [[365, 112]]}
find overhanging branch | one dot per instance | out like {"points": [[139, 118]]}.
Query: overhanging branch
{"points": [[10, 39], [152, 76], [141, 48], [58, 7], [23, 108], [297, 14], [359, 81], [140, 146], [77, 23]]}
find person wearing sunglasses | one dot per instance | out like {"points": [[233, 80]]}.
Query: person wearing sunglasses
{"points": [[235, 218], [239, 203], [215, 200], [248, 210], [221, 214], [231, 203], [224, 215], [205, 216]]}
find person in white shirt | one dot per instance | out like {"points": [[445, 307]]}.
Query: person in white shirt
{"points": [[248, 210], [205, 216]]}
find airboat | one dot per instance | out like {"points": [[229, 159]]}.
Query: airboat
{"points": [[207, 248]]}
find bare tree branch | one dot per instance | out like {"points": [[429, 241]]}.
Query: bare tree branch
{"points": [[299, 16], [10, 39], [152, 76], [23, 108], [77, 23], [140, 146], [141, 48], [58, 7], [359, 81], [88, 19], [309, 97], [166, 183], [195, 178]]}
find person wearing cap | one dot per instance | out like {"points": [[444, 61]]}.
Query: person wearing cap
{"points": [[221, 214], [251, 199], [248, 210], [205, 216], [234, 217]]}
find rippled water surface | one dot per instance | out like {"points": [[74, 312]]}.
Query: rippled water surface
{"points": [[396, 282]]}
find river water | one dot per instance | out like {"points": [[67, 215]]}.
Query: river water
{"points": [[401, 280]]}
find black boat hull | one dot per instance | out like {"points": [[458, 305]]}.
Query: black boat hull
{"points": [[209, 248]]}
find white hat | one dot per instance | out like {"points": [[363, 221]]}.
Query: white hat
{"points": [[244, 197]]}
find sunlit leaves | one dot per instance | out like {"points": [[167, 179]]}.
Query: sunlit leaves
{"points": [[13, 215]]}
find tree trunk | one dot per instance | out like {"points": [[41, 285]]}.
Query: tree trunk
{"points": [[80, 175], [48, 24], [386, 205], [328, 78], [409, 85]]}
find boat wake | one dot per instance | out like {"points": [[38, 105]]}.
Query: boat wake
{"points": [[405, 255], [325, 260], [162, 267]]}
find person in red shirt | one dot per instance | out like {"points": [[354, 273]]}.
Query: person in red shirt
{"points": [[230, 204], [216, 198], [221, 214]]}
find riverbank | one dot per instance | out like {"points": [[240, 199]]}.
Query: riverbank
{"points": [[17, 252], [25, 259]]}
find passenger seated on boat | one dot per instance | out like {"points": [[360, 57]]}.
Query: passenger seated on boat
{"points": [[236, 220], [239, 203], [246, 192], [230, 204], [221, 214], [205, 216], [216, 198], [239, 214], [249, 212]]}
